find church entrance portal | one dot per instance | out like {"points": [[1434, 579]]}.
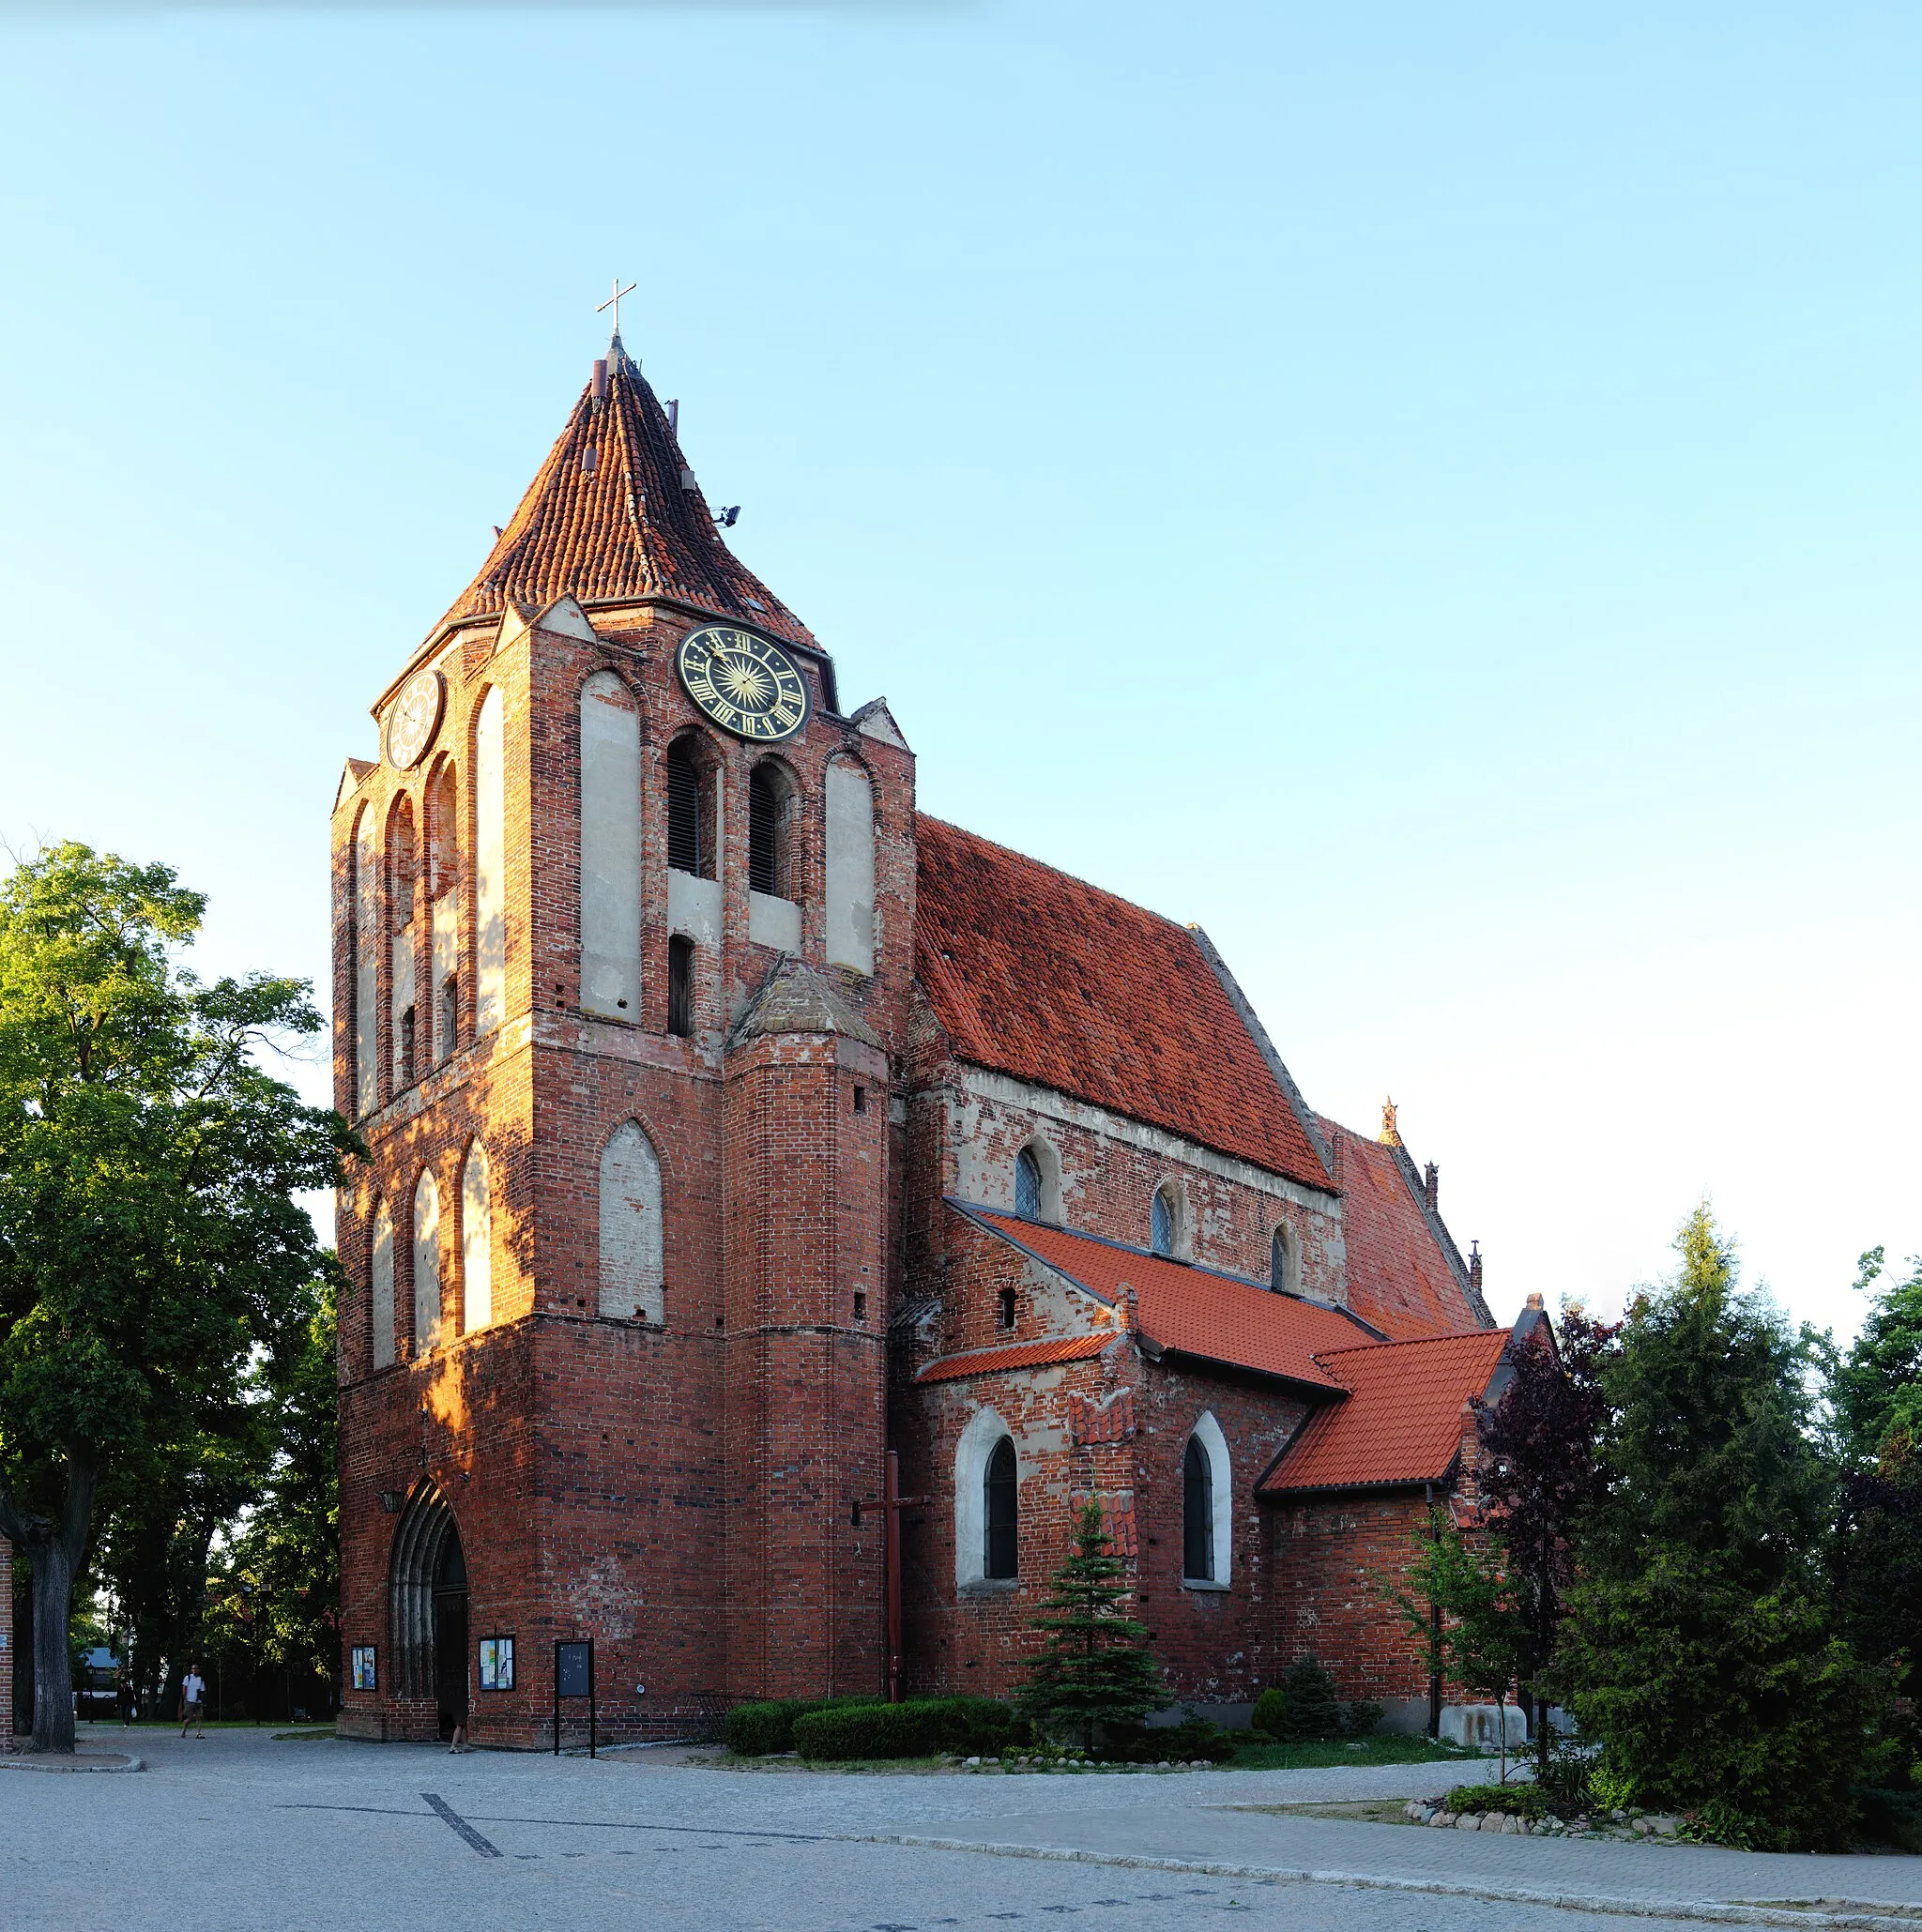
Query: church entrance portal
{"points": [[430, 1608]]}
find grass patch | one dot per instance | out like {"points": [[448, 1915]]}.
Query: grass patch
{"points": [[1317, 1753]]}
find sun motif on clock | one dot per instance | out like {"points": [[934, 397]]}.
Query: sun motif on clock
{"points": [[746, 685], [414, 718]]}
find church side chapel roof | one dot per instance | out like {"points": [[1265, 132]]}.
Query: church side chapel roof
{"points": [[1039, 975], [615, 514], [980, 1361], [1401, 1423], [1400, 1274], [1190, 1310]]}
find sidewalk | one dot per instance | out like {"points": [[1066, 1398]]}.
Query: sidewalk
{"points": [[1676, 1879]]}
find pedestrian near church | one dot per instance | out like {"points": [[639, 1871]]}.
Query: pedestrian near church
{"points": [[193, 1700]]}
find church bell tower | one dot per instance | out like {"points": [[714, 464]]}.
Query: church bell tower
{"points": [[623, 918]]}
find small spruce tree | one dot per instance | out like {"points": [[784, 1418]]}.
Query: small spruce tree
{"points": [[1094, 1667]]}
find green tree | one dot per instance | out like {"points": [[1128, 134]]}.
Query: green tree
{"points": [[150, 1243], [290, 1545], [1485, 1629], [1878, 1388], [1699, 1652], [1094, 1667]]}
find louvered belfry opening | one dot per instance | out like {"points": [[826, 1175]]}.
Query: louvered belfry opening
{"points": [[690, 812], [764, 832]]}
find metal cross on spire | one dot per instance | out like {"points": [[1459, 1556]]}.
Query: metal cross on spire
{"points": [[613, 302]]}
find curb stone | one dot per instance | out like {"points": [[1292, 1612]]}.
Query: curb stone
{"points": [[1708, 1911], [28, 1761]]}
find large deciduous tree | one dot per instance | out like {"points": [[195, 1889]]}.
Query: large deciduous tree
{"points": [[150, 1243]]}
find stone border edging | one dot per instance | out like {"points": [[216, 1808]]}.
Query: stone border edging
{"points": [[28, 1760], [1712, 1912]]}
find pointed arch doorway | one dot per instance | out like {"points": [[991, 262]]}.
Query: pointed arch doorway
{"points": [[430, 1608]]}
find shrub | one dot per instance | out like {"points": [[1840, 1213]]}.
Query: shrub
{"points": [[763, 1729], [1271, 1713], [1361, 1719], [1175, 1744], [1890, 1817], [1312, 1709], [1519, 1801], [967, 1726]]}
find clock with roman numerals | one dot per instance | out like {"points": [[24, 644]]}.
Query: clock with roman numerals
{"points": [[746, 685]]}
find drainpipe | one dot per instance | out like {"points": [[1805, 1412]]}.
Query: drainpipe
{"points": [[1434, 1638]]}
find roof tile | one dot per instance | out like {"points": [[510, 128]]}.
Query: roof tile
{"points": [[1192, 1310], [1039, 975], [980, 1361], [614, 513], [1401, 1422]]}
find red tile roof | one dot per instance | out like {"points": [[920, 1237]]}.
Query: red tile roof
{"points": [[1402, 1421], [1191, 1310], [980, 1361], [1400, 1275], [624, 528], [1039, 975]]}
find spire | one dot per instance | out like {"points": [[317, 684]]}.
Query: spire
{"points": [[1390, 1136], [615, 514]]}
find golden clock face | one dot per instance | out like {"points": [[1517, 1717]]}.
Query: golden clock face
{"points": [[742, 682], [414, 718]]}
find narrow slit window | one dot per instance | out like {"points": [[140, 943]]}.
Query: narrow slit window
{"points": [[1160, 1224], [681, 985], [449, 1014], [409, 1071], [1007, 1308], [1000, 1557]]}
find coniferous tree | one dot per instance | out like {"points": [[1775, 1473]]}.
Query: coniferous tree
{"points": [[1094, 1667], [1699, 1652]]}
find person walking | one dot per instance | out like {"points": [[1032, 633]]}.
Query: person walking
{"points": [[192, 1699]]}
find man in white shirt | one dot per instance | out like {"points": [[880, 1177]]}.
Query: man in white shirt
{"points": [[193, 1700]]}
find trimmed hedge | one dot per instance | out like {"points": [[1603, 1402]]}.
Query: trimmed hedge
{"points": [[1523, 1801], [967, 1726], [764, 1728]]}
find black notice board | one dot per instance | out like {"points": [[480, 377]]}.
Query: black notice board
{"points": [[574, 1670]]}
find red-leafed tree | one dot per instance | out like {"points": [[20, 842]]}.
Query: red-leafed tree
{"points": [[1540, 1470]]}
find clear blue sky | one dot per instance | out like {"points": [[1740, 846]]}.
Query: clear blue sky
{"points": [[1429, 494]]}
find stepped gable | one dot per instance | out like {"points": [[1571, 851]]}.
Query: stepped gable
{"points": [[1402, 1422], [1039, 975], [1192, 1311], [1403, 1271], [614, 516]]}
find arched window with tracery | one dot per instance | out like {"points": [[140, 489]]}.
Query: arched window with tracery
{"points": [[1168, 1222]]}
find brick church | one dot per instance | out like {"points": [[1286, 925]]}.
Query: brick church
{"points": [[743, 1141]]}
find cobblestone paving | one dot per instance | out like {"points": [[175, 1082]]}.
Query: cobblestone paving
{"points": [[238, 1831]]}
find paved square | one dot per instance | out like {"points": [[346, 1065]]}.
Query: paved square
{"points": [[240, 1830]]}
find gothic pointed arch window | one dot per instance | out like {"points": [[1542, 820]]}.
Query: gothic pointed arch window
{"points": [[1285, 1261], [402, 874], [489, 768], [476, 1241], [1000, 1552], [610, 848], [366, 903], [1027, 1186], [380, 1285], [632, 1286], [848, 814], [1207, 1506], [441, 997], [1168, 1222], [426, 1263]]}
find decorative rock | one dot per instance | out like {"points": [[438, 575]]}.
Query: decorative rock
{"points": [[1468, 1821], [1443, 1820], [974, 1764]]}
